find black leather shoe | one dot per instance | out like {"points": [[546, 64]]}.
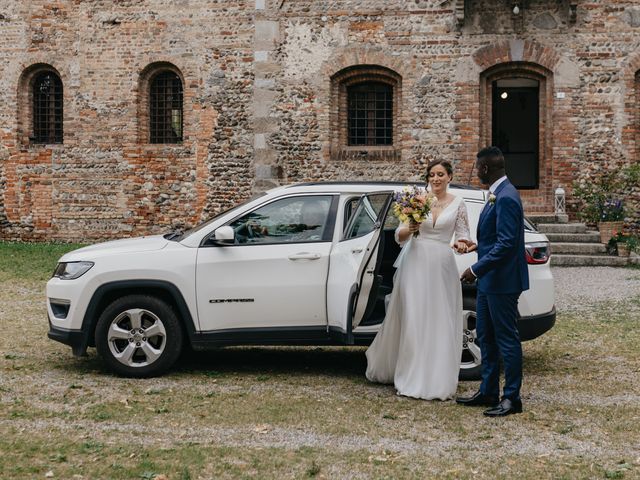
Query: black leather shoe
{"points": [[504, 408], [478, 400]]}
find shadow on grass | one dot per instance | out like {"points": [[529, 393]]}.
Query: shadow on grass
{"points": [[542, 364], [340, 361]]}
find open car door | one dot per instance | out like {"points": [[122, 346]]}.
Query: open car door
{"points": [[353, 262]]}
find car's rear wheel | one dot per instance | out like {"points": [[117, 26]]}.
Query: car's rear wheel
{"points": [[139, 336], [471, 361]]}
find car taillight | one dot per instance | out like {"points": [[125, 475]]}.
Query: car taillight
{"points": [[537, 252]]}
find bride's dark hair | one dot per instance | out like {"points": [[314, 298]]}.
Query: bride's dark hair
{"points": [[444, 163]]}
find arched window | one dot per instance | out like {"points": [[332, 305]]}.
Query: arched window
{"points": [[365, 102], [165, 108], [47, 108]]}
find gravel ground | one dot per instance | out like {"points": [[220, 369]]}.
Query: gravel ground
{"points": [[580, 393], [580, 288]]}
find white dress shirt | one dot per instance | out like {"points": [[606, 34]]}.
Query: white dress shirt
{"points": [[494, 185]]}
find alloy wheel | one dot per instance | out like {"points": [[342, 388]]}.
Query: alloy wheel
{"points": [[136, 337], [471, 356]]}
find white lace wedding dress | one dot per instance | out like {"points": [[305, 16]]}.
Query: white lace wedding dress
{"points": [[419, 345]]}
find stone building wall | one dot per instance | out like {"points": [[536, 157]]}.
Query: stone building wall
{"points": [[259, 102], [103, 181]]}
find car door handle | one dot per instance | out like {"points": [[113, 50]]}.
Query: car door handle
{"points": [[305, 256], [357, 250]]}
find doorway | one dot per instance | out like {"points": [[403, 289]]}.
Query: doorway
{"points": [[515, 128]]}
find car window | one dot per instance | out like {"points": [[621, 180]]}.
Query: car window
{"points": [[366, 214], [215, 217], [349, 209], [391, 222], [288, 220]]}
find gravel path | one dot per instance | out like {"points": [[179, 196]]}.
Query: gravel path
{"points": [[579, 288]]}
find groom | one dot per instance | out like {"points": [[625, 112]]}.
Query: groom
{"points": [[502, 276]]}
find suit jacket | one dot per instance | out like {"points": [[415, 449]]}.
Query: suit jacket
{"points": [[502, 266]]}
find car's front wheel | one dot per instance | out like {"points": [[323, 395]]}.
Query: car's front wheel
{"points": [[139, 336], [471, 361]]}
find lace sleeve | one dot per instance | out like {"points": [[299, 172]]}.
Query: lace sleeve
{"points": [[396, 235], [462, 223]]}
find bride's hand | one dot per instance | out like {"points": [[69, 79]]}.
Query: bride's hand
{"points": [[414, 227]]}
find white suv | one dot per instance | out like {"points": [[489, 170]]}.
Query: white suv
{"points": [[307, 264]]}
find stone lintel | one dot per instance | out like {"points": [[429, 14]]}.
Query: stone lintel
{"points": [[516, 46], [467, 71], [567, 74]]}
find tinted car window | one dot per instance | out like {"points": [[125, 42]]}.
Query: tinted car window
{"points": [[289, 220], [215, 217]]}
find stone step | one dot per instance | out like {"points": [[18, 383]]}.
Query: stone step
{"points": [[574, 248], [544, 218], [589, 237], [589, 261], [561, 227]]}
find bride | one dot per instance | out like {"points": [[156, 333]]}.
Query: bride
{"points": [[419, 345]]}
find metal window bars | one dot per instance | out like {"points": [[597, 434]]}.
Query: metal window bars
{"points": [[370, 114], [165, 108], [47, 108]]}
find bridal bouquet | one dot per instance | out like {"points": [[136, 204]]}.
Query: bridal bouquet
{"points": [[412, 205]]}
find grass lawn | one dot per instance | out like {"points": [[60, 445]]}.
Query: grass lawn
{"points": [[306, 412]]}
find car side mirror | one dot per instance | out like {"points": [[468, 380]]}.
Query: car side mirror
{"points": [[224, 236]]}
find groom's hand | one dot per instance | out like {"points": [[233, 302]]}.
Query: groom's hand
{"points": [[471, 247], [467, 276]]}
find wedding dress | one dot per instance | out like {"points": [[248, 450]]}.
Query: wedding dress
{"points": [[419, 345]]}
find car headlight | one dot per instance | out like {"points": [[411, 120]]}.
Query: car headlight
{"points": [[71, 270]]}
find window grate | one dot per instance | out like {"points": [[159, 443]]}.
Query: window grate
{"points": [[370, 114], [165, 108], [47, 108]]}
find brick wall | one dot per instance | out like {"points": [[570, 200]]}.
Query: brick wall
{"points": [[259, 109]]}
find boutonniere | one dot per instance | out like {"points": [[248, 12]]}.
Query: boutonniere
{"points": [[492, 198]]}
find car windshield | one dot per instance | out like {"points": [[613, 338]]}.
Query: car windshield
{"points": [[215, 217]]}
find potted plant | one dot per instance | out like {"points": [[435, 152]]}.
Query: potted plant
{"points": [[631, 244], [611, 218], [599, 201], [624, 243]]}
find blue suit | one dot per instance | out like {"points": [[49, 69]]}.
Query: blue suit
{"points": [[502, 276]]}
